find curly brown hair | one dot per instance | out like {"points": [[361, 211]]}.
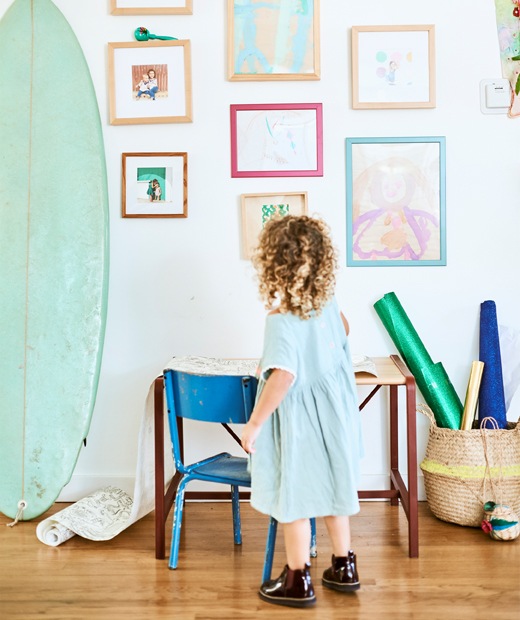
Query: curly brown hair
{"points": [[296, 263]]}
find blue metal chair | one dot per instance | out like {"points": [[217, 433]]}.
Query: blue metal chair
{"points": [[223, 399]]}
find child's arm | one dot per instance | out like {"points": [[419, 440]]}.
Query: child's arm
{"points": [[275, 389], [345, 323]]}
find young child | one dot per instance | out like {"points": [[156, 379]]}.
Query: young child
{"points": [[150, 191], [304, 432], [142, 87]]}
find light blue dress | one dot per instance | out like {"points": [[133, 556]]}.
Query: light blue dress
{"points": [[307, 455]]}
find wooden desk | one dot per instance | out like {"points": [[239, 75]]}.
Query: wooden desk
{"points": [[392, 373]]}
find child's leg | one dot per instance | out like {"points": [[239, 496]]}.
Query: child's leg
{"points": [[339, 533], [343, 574], [294, 586], [297, 536]]}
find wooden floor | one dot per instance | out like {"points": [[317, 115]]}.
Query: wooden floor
{"points": [[461, 572]]}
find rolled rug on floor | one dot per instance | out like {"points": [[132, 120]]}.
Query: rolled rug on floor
{"points": [[492, 401], [431, 378]]}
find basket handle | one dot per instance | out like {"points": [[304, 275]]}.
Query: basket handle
{"points": [[425, 410], [492, 421]]}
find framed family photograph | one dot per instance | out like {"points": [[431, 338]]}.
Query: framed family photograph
{"points": [[150, 82], [276, 140], [396, 201], [155, 185], [151, 7], [393, 67], [275, 40], [258, 209]]}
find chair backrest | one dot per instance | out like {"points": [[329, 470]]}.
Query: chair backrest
{"points": [[223, 399]]}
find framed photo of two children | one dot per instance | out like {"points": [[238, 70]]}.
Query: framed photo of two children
{"points": [[150, 82]]}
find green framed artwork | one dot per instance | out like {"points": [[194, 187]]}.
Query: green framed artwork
{"points": [[257, 209]]}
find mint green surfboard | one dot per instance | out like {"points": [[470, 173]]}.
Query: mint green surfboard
{"points": [[53, 254]]}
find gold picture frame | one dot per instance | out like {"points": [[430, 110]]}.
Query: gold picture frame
{"points": [[132, 100], [257, 209], [393, 67], [151, 7], [265, 43]]}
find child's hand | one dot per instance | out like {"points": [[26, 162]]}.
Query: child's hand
{"points": [[249, 435]]}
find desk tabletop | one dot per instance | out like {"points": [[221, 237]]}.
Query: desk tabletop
{"points": [[388, 373], [390, 370]]}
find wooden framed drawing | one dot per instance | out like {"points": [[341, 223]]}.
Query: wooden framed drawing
{"points": [[257, 209], [393, 67], [151, 7], [275, 40], [276, 140], [150, 82], [396, 201], [155, 185]]}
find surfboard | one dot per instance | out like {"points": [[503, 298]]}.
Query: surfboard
{"points": [[53, 254]]}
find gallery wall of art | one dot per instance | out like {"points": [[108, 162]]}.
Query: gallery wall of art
{"points": [[180, 280]]}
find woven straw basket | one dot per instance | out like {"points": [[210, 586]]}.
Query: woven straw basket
{"points": [[465, 469]]}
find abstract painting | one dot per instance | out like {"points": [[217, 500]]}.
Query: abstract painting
{"points": [[273, 40]]}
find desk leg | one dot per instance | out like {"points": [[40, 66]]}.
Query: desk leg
{"points": [[413, 508], [394, 439], [163, 502], [160, 517]]}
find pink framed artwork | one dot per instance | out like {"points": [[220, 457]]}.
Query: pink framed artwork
{"points": [[277, 140]]}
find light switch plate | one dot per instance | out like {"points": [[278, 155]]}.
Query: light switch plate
{"points": [[495, 96]]}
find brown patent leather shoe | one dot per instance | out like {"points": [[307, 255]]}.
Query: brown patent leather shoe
{"points": [[292, 588], [342, 575]]}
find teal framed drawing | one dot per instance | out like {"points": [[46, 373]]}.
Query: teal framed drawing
{"points": [[396, 201], [275, 40], [155, 185]]}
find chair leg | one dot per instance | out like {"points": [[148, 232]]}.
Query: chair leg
{"points": [[177, 523], [237, 529], [314, 546], [269, 549]]}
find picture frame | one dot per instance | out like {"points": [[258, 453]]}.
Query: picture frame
{"points": [[134, 98], [273, 40], [393, 67], [142, 173], [276, 140], [257, 209], [396, 201], [151, 7]]}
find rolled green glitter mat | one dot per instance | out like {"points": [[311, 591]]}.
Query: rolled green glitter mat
{"points": [[431, 378]]}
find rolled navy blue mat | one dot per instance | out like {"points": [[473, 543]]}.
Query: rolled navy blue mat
{"points": [[492, 402]]}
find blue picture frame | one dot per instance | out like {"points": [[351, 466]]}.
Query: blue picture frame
{"points": [[396, 201]]}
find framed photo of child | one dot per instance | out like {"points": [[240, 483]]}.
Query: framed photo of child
{"points": [[155, 185], [150, 82]]}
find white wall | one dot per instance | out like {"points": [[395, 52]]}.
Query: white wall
{"points": [[179, 287]]}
